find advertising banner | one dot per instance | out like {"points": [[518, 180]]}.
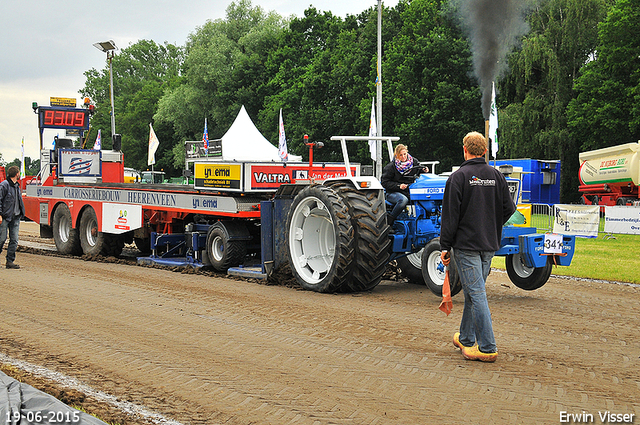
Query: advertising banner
{"points": [[622, 220], [262, 177], [121, 218], [270, 177], [578, 220], [79, 162], [218, 176]]}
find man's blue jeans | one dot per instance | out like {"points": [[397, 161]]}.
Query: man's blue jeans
{"points": [[473, 268], [399, 200], [14, 229]]}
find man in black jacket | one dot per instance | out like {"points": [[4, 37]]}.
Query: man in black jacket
{"points": [[476, 205], [11, 211]]}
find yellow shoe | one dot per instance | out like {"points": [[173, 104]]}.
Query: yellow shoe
{"points": [[474, 353], [457, 343]]}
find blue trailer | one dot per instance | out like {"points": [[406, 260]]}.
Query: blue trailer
{"points": [[540, 179]]}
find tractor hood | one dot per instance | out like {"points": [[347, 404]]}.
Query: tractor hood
{"points": [[428, 187]]}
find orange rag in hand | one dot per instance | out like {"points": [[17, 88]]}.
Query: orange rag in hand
{"points": [[446, 305]]}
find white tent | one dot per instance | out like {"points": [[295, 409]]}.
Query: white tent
{"points": [[244, 142]]}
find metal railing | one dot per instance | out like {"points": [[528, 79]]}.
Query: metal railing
{"points": [[542, 217]]}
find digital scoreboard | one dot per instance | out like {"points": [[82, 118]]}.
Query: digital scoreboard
{"points": [[64, 118]]}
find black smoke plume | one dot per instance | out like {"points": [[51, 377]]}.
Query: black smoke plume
{"points": [[493, 27]]}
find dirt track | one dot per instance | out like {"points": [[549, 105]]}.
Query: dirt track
{"points": [[203, 350]]}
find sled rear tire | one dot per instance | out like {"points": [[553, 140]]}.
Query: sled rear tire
{"points": [[94, 242], [65, 236]]}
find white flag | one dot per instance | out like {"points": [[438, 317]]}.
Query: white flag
{"points": [[22, 170], [153, 146], [98, 144], [493, 123], [373, 130], [282, 140]]}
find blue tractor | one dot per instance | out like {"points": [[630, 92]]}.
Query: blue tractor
{"points": [[333, 236], [338, 239], [419, 226]]}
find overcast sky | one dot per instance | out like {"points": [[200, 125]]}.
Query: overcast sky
{"points": [[46, 46]]}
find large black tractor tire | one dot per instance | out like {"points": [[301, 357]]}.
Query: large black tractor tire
{"points": [[411, 267], [94, 242], [223, 250], [527, 278], [65, 236], [433, 271], [320, 240], [371, 233]]}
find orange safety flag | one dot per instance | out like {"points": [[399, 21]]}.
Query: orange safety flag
{"points": [[446, 305]]}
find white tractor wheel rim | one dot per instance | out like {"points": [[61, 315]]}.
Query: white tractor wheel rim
{"points": [[436, 268], [520, 268], [312, 240]]}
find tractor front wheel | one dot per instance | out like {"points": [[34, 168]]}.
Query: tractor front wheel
{"points": [[433, 271], [524, 277]]}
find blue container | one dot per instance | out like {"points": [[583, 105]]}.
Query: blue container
{"points": [[540, 179]]}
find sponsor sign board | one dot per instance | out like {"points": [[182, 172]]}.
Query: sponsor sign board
{"points": [[622, 220], [79, 163], [121, 218], [578, 220], [525, 210], [162, 200], [262, 177], [218, 176], [62, 101]]}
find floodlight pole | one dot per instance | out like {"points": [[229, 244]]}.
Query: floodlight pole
{"points": [[109, 48], [110, 54], [379, 96]]}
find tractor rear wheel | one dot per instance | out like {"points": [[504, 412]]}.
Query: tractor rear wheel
{"points": [[371, 234], [320, 240], [524, 277]]}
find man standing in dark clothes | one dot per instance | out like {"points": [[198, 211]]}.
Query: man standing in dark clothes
{"points": [[11, 211], [476, 205]]}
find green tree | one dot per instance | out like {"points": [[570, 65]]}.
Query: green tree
{"points": [[141, 73], [430, 99], [321, 75], [31, 168], [224, 69], [606, 110], [535, 94]]}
